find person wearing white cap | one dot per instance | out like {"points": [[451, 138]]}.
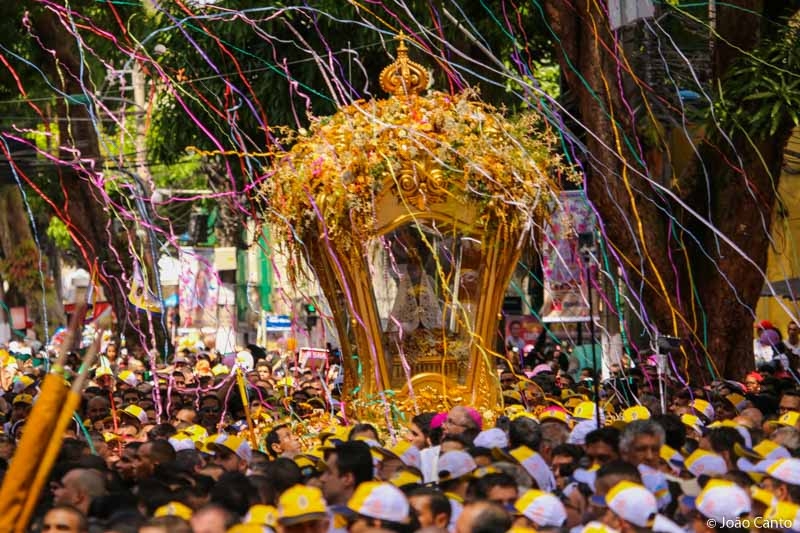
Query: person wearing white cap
{"points": [[491, 438], [630, 508], [718, 503], [782, 478], [540, 510], [455, 469]]}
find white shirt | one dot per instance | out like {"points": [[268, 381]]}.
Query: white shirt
{"points": [[429, 464]]}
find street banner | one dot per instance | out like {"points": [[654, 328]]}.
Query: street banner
{"points": [[564, 288]]}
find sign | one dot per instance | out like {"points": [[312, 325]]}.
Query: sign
{"points": [[313, 358], [278, 323], [564, 278], [522, 331], [199, 288]]}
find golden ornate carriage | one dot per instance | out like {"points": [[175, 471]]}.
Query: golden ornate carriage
{"points": [[412, 212]]}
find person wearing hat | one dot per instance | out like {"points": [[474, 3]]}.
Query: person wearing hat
{"points": [[462, 420], [379, 505], [542, 511], [782, 478], [630, 508], [20, 409], [718, 504], [231, 453], [303, 509], [402, 454], [455, 470]]}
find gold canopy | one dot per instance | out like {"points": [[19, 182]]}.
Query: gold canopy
{"points": [[422, 169]]}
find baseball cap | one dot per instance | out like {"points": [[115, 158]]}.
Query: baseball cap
{"points": [[380, 500], [721, 500], [126, 376], [786, 470], [693, 422], [301, 503], [404, 451], [181, 441], [248, 528], [741, 430], [197, 432], [232, 443], [764, 324], [136, 413], [404, 477], [585, 410], [703, 407], [455, 464], [765, 453], [534, 465], [554, 414], [738, 401], [631, 502], [174, 509], [656, 482], [703, 462], [673, 458], [22, 398], [220, 370], [103, 371], [542, 508], [637, 412], [491, 438], [789, 418], [579, 432], [262, 515]]}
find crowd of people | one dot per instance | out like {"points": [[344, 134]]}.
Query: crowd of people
{"points": [[182, 450]]}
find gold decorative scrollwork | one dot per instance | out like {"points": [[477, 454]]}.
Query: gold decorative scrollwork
{"points": [[421, 186]]}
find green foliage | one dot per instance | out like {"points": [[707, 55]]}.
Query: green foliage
{"points": [[762, 90], [58, 232], [21, 267]]}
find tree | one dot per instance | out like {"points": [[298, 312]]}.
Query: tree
{"points": [[652, 214]]}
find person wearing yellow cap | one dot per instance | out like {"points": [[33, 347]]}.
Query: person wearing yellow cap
{"points": [[303, 509], [20, 409], [232, 453]]}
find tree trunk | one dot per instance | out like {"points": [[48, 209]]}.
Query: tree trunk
{"points": [[641, 221], [102, 250], [15, 230]]}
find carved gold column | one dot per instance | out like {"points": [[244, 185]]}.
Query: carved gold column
{"points": [[499, 262]]}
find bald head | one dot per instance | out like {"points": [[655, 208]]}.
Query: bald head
{"points": [[483, 517], [97, 408], [79, 487]]}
